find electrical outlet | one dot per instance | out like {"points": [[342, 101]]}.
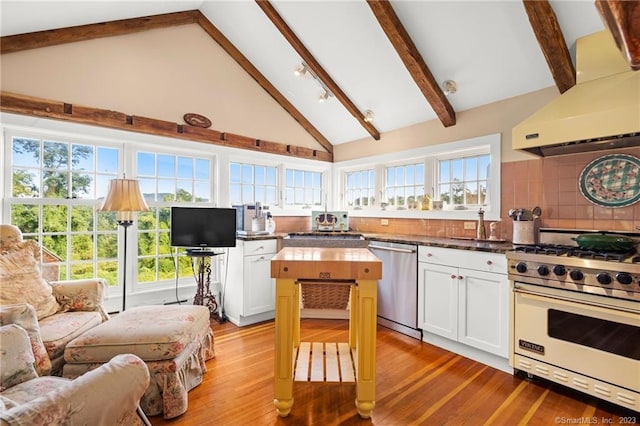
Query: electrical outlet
{"points": [[384, 222], [469, 225]]}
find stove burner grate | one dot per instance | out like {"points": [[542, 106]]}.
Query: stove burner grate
{"points": [[550, 249], [603, 255]]}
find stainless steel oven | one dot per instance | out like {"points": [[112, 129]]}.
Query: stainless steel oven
{"points": [[576, 319]]}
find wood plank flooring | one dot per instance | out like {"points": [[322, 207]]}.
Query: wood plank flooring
{"points": [[417, 384]]}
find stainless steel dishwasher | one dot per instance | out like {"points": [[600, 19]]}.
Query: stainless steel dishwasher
{"points": [[398, 288]]}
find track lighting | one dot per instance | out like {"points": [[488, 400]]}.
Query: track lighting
{"points": [[304, 69], [301, 70], [324, 96]]}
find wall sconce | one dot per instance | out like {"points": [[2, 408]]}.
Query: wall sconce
{"points": [[450, 87], [369, 116]]}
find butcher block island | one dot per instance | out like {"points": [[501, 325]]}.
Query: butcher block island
{"points": [[357, 268]]}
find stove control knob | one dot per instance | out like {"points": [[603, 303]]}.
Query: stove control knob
{"points": [[559, 270], [603, 278], [521, 267], [624, 278], [543, 270], [576, 275]]}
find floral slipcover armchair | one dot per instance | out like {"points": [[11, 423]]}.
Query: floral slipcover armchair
{"points": [[26, 399], [52, 313]]}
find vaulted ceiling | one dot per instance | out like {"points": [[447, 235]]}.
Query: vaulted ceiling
{"points": [[386, 58]]}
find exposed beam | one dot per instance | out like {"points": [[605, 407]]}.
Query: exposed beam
{"points": [[315, 66], [57, 110], [215, 34], [16, 43], [413, 61], [547, 30], [623, 20]]}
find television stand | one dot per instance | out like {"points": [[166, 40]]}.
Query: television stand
{"points": [[203, 292]]}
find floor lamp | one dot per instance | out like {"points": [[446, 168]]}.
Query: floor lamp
{"points": [[124, 197]]}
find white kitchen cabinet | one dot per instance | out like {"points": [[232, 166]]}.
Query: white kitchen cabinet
{"points": [[463, 296], [250, 291]]}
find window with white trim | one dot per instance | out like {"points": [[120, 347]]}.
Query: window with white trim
{"points": [[54, 187], [360, 188], [404, 185], [464, 175], [303, 188], [463, 181], [165, 180], [250, 183]]}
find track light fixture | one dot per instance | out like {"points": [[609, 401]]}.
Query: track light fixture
{"points": [[324, 96], [304, 69], [301, 70]]}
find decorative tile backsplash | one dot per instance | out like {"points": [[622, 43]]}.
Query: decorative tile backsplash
{"points": [[551, 183]]}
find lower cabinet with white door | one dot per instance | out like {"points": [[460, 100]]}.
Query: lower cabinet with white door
{"points": [[249, 290], [463, 303]]}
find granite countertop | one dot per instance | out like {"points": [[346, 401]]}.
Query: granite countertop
{"points": [[454, 243]]}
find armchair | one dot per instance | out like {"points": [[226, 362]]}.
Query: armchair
{"points": [[52, 313], [26, 399]]}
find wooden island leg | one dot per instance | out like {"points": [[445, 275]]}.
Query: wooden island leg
{"points": [[366, 326], [287, 304]]}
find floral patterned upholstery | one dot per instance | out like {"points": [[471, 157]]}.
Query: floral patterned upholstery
{"points": [[52, 313], [174, 341], [27, 399]]}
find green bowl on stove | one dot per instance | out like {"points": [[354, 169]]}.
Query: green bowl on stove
{"points": [[605, 242]]}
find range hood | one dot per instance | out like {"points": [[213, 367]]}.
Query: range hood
{"points": [[602, 111]]}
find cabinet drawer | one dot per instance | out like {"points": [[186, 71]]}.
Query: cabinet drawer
{"points": [[477, 260], [260, 247]]}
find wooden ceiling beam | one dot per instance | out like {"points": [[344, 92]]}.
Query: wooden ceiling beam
{"points": [[250, 69], [18, 42], [45, 108], [413, 61], [623, 20], [315, 66], [547, 30]]}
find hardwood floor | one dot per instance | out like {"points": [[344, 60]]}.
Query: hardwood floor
{"points": [[417, 384]]}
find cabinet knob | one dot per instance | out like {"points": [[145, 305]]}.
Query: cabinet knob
{"points": [[429, 255], [453, 276], [460, 277], [489, 262]]}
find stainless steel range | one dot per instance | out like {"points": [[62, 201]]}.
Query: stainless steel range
{"points": [[576, 317]]}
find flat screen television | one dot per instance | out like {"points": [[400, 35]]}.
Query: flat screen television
{"points": [[203, 227]]}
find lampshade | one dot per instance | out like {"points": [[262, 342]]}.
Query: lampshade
{"points": [[124, 196]]}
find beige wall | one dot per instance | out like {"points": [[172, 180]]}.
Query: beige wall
{"points": [[498, 117], [160, 74]]}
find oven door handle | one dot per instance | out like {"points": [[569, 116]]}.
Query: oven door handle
{"points": [[582, 302]]}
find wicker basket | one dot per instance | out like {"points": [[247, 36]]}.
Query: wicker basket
{"points": [[325, 296]]}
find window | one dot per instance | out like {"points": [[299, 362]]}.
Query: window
{"points": [[464, 181], [166, 179], [303, 187], [464, 175], [249, 183], [405, 185], [55, 186], [360, 188]]}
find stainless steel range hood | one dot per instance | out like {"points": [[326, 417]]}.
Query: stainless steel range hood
{"points": [[602, 111]]}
